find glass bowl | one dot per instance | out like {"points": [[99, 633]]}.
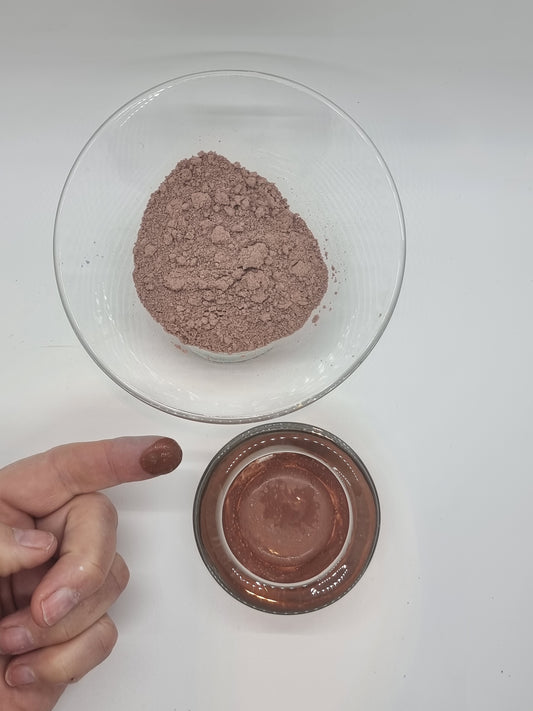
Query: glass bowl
{"points": [[286, 518], [324, 165]]}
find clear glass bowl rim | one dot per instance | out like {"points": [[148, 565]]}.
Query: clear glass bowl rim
{"points": [[221, 419], [265, 429]]}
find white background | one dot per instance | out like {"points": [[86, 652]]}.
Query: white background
{"points": [[441, 412]]}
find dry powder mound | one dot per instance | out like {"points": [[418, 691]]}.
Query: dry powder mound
{"points": [[220, 260]]}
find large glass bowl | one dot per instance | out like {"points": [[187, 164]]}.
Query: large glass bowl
{"points": [[324, 165]]}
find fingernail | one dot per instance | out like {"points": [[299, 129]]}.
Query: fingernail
{"points": [[33, 538], [19, 674], [59, 604], [14, 640], [161, 457]]}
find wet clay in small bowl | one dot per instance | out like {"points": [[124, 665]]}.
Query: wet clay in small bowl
{"points": [[286, 518]]}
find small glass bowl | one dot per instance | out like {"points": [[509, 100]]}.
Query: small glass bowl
{"points": [[324, 165], [286, 518]]}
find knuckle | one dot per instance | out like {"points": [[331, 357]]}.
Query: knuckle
{"points": [[56, 668], [106, 636], [65, 630], [54, 462], [95, 575], [67, 675], [110, 461], [108, 510], [90, 575], [120, 573], [101, 507]]}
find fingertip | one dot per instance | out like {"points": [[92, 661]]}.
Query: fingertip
{"points": [[57, 605], [161, 457], [19, 675], [36, 539], [21, 549]]}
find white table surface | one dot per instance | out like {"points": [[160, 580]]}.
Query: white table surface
{"points": [[441, 412]]}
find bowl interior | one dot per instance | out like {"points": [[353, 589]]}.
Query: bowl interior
{"points": [[330, 173]]}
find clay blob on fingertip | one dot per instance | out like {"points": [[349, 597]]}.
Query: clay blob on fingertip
{"points": [[161, 457]]}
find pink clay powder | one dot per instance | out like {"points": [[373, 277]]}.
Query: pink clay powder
{"points": [[220, 260]]}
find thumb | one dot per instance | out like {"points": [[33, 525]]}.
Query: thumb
{"points": [[22, 548]]}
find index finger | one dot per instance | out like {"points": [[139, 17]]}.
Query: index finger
{"points": [[43, 482]]}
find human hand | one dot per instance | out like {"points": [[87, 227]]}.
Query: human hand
{"points": [[59, 570]]}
